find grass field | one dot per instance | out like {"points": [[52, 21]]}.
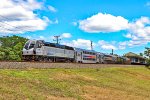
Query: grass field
{"points": [[132, 83]]}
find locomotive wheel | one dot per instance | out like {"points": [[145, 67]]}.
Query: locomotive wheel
{"points": [[40, 59], [68, 61], [45, 59], [50, 60]]}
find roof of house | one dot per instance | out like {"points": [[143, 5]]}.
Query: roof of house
{"points": [[131, 54]]}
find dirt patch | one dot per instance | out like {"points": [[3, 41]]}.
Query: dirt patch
{"points": [[59, 98], [99, 93], [138, 75], [63, 76]]}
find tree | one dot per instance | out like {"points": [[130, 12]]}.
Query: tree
{"points": [[141, 54], [147, 52], [2, 55], [11, 47]]}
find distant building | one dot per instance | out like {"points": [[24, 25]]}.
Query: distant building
{"points": [[135, 58]]}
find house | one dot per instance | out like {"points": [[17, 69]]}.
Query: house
{"points": [[135, 58]]}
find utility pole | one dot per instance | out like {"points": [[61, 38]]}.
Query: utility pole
{"points": [[91, 45], [57, 39], [112, 51]]}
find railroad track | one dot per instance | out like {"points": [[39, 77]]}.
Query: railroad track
{"points": [[24, 65]]}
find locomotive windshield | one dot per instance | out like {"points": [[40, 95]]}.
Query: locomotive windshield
{"points": [[27, 45], [30, 45]]}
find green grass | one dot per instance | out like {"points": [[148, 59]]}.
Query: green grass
{"points": [[132, 83]]}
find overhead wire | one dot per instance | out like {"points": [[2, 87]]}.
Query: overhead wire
{"points": [[17, 28]]}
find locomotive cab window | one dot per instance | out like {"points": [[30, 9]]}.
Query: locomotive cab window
{"points": [[39, 45], [32, 44], [26, 45]]}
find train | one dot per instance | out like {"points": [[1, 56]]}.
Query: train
{"points": [[39, 50]]}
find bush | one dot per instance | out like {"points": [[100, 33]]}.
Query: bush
{"points": [[147, 63]]}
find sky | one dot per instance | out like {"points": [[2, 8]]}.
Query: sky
{"points": [[122, 25]]}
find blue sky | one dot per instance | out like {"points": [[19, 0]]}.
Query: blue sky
{"points": [[110, 24]]}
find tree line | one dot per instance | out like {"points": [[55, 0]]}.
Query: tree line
{"points": [[11, 47]]}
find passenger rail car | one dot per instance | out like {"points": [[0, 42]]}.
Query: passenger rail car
{"points": [[86, 56]]}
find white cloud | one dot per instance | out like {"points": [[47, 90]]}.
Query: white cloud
{"points": [[42, 38], [18, 16], [106, 45], [74, 23], [139, 32], [28, 37], [52, 9], [53, 22], [103, 23], [80, 43], [128, 35], [66, 35], [122, 45]]}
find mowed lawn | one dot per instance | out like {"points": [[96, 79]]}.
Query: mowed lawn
{"points": [[131, 83]]}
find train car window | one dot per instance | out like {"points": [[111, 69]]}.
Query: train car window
{"points": [[58, 46], [62, 46], [69, 48], [46, 44], [52, 45]]}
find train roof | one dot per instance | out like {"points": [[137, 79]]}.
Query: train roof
{"points": [[58, 45], [79, 49], [65, 46]]}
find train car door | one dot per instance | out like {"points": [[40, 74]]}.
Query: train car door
{"points": [[97, 58], [39, 50], [79, 56]]}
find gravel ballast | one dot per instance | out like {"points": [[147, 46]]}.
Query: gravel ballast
{"points": [[23, 65]]}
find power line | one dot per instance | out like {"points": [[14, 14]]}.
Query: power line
{"points": [[6, 28], [6, 22], [4, 17], [17, 28], [91, 45]]}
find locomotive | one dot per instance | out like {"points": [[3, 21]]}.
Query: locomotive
{"points": [[39, 50]]}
